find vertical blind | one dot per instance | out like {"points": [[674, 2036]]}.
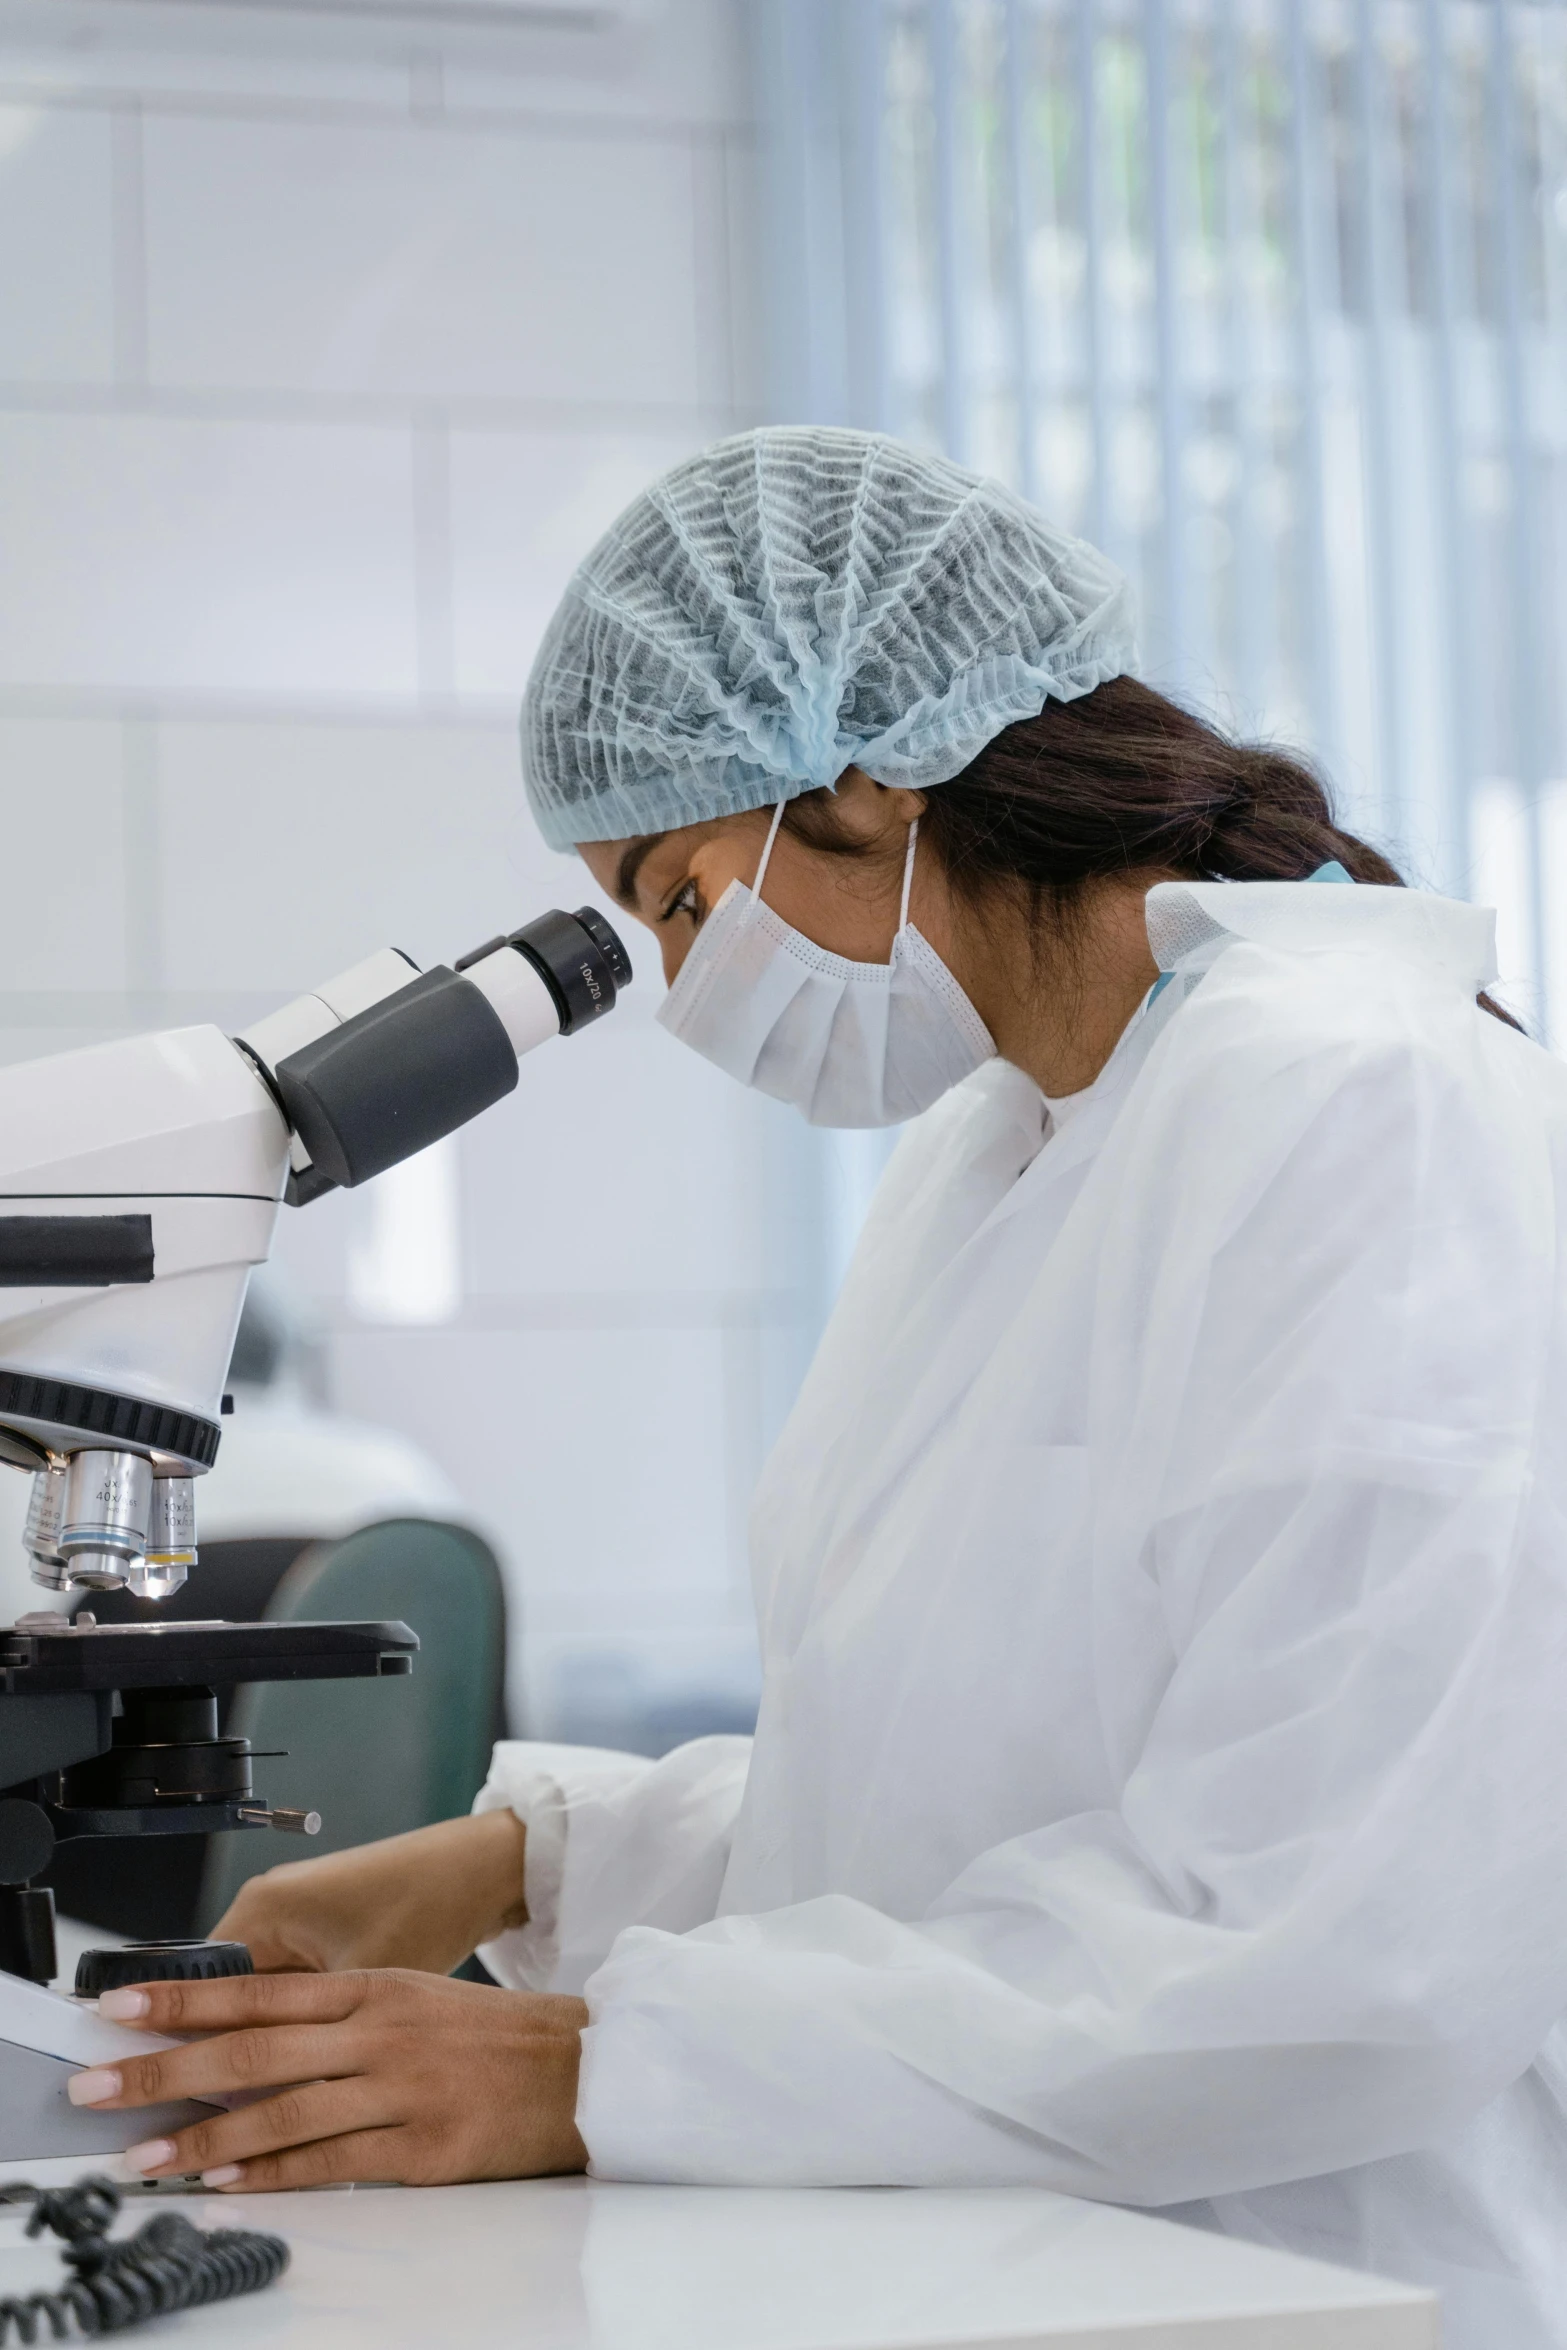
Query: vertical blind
{"points": [[1269, 299]]}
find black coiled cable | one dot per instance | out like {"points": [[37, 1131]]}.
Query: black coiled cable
{"points": [[168, 2265]]}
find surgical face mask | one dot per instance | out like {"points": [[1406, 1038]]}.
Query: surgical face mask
{"points": [[850, 1044]]}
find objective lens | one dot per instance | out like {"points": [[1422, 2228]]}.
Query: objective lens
{"points": [[41, 1537], [151, 1578], [103, 1520], [95, 1570], [108, 1500], [171, 1538]]}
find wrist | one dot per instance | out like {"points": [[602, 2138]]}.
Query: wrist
{"points": [[499, 1849]]}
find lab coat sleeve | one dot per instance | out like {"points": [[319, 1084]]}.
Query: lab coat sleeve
{"points": [[1327, 1918], [612, 1840]]}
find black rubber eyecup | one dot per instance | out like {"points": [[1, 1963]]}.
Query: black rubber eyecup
{"points": [[608, 942], [159, 1962]]}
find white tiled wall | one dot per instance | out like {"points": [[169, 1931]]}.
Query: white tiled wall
{"points": [[56, 246], [523, 506], [326, 349], [425, 261], [187, 556], [64, 802], [320, 833]]}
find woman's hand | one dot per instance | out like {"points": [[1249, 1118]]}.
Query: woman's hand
{"points": [[426, 1900], [394, 2076]]}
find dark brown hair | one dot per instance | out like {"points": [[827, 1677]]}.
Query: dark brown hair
{"points": [[1122, 781]]}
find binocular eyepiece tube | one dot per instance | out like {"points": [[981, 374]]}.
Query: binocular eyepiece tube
{"points": [[377, 1065]]}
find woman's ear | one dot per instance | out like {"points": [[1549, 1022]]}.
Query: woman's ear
{"points": [[874, 811]]}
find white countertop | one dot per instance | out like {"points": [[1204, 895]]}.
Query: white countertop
{"points": [[572, 2264]]}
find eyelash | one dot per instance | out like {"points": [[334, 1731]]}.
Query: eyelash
{"points": [[686, 900]]}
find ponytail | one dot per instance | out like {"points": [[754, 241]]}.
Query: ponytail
{"points": [[1122, 781]]}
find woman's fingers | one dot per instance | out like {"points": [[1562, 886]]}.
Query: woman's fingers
{"points": [[237, 2000], [254, 2032], [380, 2157], [253, 2058], [273, 1939], [316, 2110]]}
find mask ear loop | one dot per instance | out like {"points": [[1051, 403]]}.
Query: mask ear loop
{"points": [[761, 870], [767, 851], [908, 880]]}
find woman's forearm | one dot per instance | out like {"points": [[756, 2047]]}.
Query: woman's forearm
{"points": [[426, 1899]]}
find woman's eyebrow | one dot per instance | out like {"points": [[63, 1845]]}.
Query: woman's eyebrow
{"points": [[631, 863]]}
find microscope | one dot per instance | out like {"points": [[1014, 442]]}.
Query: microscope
{"points": [[140, 1181]]}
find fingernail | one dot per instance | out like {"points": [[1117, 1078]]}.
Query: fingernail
{"points": [[152, 2154], [95, 2088], [224, 2176], [122, 2007]]}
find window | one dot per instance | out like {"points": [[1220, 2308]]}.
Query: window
{"points": [[1267, 297]]}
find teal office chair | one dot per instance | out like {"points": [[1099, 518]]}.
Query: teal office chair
{"points": [[374, 1757]]}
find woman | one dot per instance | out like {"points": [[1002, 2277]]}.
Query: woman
{"points": [[1160, 1790]]}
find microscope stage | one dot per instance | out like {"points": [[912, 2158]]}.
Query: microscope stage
{"points": [[61, 1687], [49, 1663]]}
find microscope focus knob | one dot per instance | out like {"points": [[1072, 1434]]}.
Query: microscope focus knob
{"points": [[26, 1840], [159, 1962], [26, 1910]]}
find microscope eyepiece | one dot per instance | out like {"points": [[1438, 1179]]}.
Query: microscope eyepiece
{"points": [[607, 941], [428, 1054], [580, 960]]}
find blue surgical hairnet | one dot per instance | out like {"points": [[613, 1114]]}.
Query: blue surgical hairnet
{"points": [[794, 602]]}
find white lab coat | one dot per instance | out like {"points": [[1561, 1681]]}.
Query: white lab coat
{"points": [[1160, 1788]]}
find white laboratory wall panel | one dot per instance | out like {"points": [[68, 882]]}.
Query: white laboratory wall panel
{"points": [[421, 260], [63, 869], [190, 50], [682, 63], [292, 850], [155, 555], [624, 1167], [677, 61], [26, 1043], [311, 1248], [593, 1458], [525, 509], [741, 226], [586, 1453], [56, 247]]}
